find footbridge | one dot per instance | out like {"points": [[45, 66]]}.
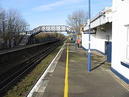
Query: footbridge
{"points": [[45, 28], [52, 28]]}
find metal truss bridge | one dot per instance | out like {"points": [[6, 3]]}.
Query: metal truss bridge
{"points": [[52, 28], [45, 28]]}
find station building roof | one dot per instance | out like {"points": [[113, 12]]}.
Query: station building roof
{"points": [[103, 17]]}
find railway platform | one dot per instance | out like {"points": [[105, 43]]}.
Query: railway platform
{"points": [[71, 79]]}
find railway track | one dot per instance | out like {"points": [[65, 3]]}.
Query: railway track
{"points": [[10, 78]]}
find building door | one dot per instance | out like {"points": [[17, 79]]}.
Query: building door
{"points": [[108, 50]]}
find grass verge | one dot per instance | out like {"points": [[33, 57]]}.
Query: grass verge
{"points": [[22, 87]]}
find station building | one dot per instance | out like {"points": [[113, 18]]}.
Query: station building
{"points": [[120, 39], [110, 36], [101, 32]]}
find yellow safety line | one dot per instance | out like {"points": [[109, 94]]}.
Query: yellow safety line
{"points": [[66, 75]]}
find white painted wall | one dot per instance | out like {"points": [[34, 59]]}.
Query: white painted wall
{"points": [[95, 43], [98, 39], [119, 36]]}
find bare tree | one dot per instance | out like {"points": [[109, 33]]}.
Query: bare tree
{"points": [[2, 20], [3, 24], [76, 20], [11, 25]]}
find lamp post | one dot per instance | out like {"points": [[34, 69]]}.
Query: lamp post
{"points": [[89, 45]]}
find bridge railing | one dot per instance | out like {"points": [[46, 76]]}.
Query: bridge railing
{"points": [[52, 28]]}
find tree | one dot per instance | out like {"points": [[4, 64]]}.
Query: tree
{"points": [[76, 20], [11, 25], [2, 20]]}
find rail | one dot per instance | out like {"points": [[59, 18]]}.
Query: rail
{"points": [[10, 77]]}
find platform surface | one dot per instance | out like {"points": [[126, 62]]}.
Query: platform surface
{"points": [[97, 83]]}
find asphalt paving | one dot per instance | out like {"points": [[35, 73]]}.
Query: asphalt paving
{"points": [[97, 83]]}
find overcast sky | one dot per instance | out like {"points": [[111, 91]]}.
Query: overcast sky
{"points": [[41, 12]]}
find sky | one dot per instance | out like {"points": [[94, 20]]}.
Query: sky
{"points": [[51, 12]]}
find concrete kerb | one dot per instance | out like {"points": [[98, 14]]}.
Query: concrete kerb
{"points": [[37, 85]]}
